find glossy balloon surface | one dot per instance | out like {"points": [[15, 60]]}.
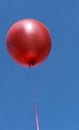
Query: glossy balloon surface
{"points": [[28, 42]]}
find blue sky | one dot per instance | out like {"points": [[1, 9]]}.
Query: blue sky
{"points": [[56, 80]]}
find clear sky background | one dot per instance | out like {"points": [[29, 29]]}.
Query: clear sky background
{"points": [[56, 80]]}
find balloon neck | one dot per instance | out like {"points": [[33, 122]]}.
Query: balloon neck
{"points": [[31, 64]]}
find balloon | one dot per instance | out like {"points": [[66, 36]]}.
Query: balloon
{"points": [[28, 42]]}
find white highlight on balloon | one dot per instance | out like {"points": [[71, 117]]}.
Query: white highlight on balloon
{"points": [[29, 26]]}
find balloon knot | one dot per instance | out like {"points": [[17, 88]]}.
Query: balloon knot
{"points": [[31, 64]]}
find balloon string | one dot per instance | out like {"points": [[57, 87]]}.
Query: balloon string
{"points": [[36, 109]]}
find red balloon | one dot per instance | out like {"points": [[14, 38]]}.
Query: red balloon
{"points": [[28, 42]]}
